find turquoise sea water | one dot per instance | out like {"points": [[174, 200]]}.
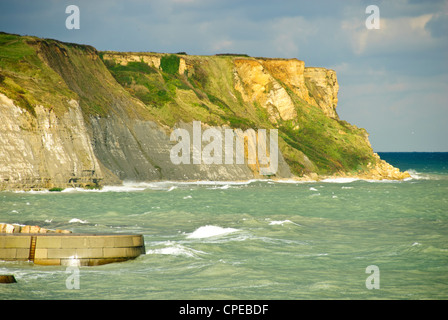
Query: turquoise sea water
{"points": [[251, 240]]}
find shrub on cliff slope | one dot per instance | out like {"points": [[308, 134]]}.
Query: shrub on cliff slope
{"points": [[170, 63]]}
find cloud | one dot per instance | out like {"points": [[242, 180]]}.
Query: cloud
{"points": [[395, 34], [221, 45], [438, 25]]}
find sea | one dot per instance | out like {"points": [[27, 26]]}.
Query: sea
{"points": [[250, 240]]}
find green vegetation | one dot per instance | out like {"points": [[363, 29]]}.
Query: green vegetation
{"points": [[170, 63], [232, 54], [207, 93], [332, 145], [25, 78], [56, 189], [153, 87]]}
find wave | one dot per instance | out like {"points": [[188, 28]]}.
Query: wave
{"points": [[210, 231], [340, 180], [76, 220], [176, 249], [415, 175], [168, 186], [281, 222], [122, 188]]}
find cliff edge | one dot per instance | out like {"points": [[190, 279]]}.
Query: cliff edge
{"points": [[73, 116]]}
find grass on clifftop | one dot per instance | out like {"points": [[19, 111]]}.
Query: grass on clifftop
{"points": [[25, 79], [173, 97]]}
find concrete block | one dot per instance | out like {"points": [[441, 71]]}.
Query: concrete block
{"points": [[41, 254], [74, 242], [49, 242], [7, 254], [61, 253], [48, 262], [75, 262], [17, 242], [137, 241], [133, 252], [123, 241], [89, 252], [22, 253], [114, 252], [98, 262], [109, 241], [96, 242]]}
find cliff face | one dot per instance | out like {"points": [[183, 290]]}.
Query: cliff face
{"points": [[72, 116], [45, 150]]}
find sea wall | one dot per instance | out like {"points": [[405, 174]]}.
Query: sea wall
{"points": [[70, 249]]}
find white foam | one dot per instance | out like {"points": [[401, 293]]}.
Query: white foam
{"points": [[292, 181], [210, 231], [340, 180], [76, 220], [122, 188], [417, 175], [313, 189], [32, 191], [314, 195], [281, 222], [176, 250], [209, 182], [224, 187]]}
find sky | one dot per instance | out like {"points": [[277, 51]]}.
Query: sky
{"points": [[393, 81]]}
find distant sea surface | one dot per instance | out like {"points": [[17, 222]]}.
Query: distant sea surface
{"points": [[252, 240]]}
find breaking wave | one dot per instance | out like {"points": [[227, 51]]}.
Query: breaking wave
{"points": [[175, 249], [210, 231]]}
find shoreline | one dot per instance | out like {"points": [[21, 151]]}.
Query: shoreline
{"points": [[171, 184]]}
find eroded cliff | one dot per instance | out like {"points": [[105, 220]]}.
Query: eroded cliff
{"points": [[72, 116]]}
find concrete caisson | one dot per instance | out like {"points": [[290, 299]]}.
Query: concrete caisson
{"points": [[71, 248]]}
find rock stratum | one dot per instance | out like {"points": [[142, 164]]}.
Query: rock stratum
{"points": [[72, 116]]}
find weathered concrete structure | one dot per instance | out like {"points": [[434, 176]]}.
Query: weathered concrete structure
{"points": [[71, 248]]}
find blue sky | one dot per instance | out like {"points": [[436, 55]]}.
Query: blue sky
{"points": [[393, 80]]}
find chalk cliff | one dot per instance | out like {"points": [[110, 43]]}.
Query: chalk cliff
{"points": [[73, 116]]}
